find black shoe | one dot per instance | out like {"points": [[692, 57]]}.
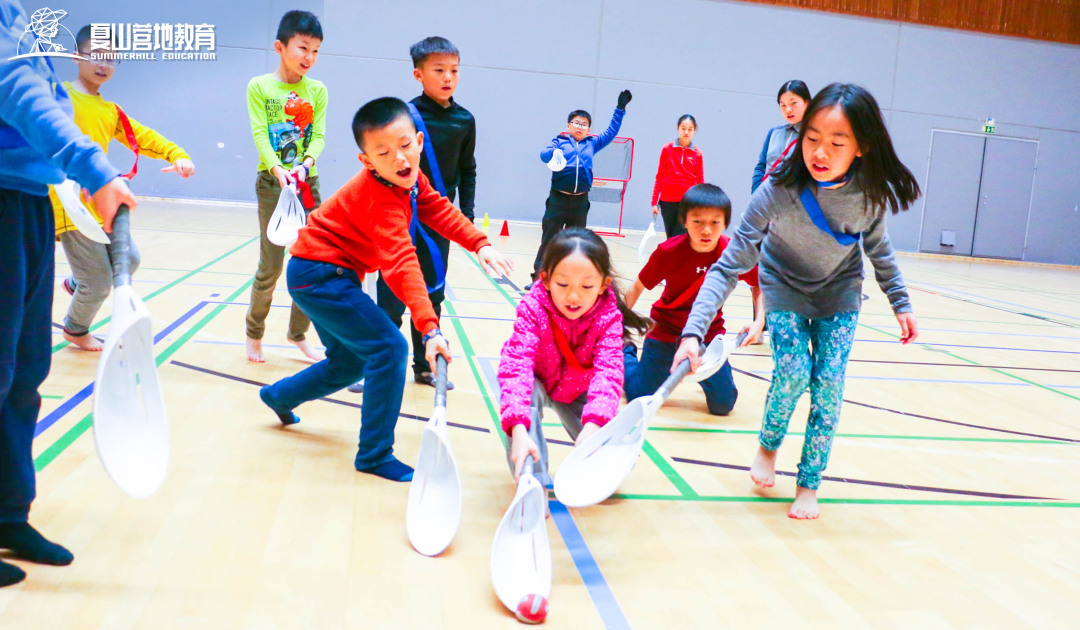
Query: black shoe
{"points": [[528, 287], [427, 378], [357, 387], [27, 543]]}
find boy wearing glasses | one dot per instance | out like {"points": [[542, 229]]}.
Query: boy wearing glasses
{"points": [[90, 280], [567, 204]]}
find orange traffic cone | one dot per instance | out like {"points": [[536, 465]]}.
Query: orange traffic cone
{"points": [[505, 228]]}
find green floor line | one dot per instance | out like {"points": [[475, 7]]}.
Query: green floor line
{"points": [[669, 471], [931, 502], [67, 439], [51, 397], [470, 358], [64, 344], [976, 363]]}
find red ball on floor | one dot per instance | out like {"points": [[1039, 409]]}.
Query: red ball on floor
{"points": [[532, 609]]}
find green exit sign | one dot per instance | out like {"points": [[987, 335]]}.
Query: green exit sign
{"points": [[988, 126]]}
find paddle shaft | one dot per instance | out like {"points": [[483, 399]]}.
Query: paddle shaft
{"points": [[440, 381], [120, 247], [527, 467]]}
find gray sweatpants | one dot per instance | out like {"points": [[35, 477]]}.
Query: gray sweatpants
{"points": [[91, 268], [570, 416]]}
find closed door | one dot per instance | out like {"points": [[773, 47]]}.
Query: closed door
{"points": [[1008, 174], [952, 193]]}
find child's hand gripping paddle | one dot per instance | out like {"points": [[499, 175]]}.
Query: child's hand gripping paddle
{"points": [[649, 233], [521, 553], [288, 218], [434, 510], [131, 430], [594, 470], [68, 193]]}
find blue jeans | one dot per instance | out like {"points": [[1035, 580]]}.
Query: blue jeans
{"points": [[814, 353], [27, 246], [644, 377], [361, 342]]}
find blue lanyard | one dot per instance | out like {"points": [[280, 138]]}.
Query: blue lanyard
{"points": [[429, 150], [433, 248], [813, 208]]}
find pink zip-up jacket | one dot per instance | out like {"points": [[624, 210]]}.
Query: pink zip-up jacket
{"points": [[530, 353]]}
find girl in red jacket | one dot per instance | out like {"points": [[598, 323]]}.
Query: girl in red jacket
{"points": [[681, 167]]}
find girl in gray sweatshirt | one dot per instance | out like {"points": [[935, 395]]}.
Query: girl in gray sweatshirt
{"points": [[803, 227]]}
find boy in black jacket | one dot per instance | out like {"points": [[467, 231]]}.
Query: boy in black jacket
{"points": [[451, 131]]}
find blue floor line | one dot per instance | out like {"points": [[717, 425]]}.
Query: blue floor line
{"points": [[84, 393], [1013, 304], [599, 590]]}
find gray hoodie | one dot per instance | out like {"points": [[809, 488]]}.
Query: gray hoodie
{"points": [[802, 268]]}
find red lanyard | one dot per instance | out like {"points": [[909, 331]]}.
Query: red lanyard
{"points": [[132, 142], [779, 159], [563, 344]]}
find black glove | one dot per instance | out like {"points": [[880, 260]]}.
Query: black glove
{"points": [[624, 98]]}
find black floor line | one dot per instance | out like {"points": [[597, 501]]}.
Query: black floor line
{"points": [[931, 418], [879, 484], [997, 308], [329, 400], [950, 365]]}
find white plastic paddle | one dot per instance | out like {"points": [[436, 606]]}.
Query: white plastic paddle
{"points": [[557, 161], [594, 470], [80, 216], [715, 355], [433, 514], [288, 218], [521, 553], [649, 233], [131, 430]]}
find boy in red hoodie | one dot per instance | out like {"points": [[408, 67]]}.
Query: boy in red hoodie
{"points": [[366, 227]]}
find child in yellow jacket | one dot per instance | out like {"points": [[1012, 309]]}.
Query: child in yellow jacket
{"points": [[90, 279]]}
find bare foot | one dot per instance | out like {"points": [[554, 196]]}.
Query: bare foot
{"points": [[254, 350], [86, 342], [805, 505], [763, 470], [309, 350]]}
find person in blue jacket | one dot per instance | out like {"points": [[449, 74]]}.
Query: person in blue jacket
{"points": [[567, 204], [39, 145]]}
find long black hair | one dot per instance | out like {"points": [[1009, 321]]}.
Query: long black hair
{"points": [[575, 239], [796, 87], [879, 173]]}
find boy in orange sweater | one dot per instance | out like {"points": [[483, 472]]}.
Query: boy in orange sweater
{"points": [[366, 227]]}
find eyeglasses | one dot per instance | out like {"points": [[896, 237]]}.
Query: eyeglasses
{"points": [[579, 125]]}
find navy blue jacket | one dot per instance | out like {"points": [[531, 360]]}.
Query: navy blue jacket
{"points": [[576, 176]]}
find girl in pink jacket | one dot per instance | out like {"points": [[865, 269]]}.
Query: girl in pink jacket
{"points": [[566, 349]]}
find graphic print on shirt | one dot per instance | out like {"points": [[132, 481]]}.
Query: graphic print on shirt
{"points": [[289, 127]]}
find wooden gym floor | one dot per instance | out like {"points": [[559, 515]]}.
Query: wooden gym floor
{"points": [[951, 500]]}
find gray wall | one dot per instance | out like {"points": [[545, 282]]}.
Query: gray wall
{"points": [[527, 63]]}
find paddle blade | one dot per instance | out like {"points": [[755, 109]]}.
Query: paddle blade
{"points": [[649, 233], [594, 470], [68, 193], [433, 514], [131, 429], [284, 226], [716, 354], [521, 552]]}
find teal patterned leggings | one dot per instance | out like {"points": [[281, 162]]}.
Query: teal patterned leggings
{"points": [[796, 366]]}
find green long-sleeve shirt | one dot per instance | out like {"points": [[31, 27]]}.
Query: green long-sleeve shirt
{"points": [[288, 120]]}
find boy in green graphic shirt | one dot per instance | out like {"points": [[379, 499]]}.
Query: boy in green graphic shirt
{"points": [[288, 120]]}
